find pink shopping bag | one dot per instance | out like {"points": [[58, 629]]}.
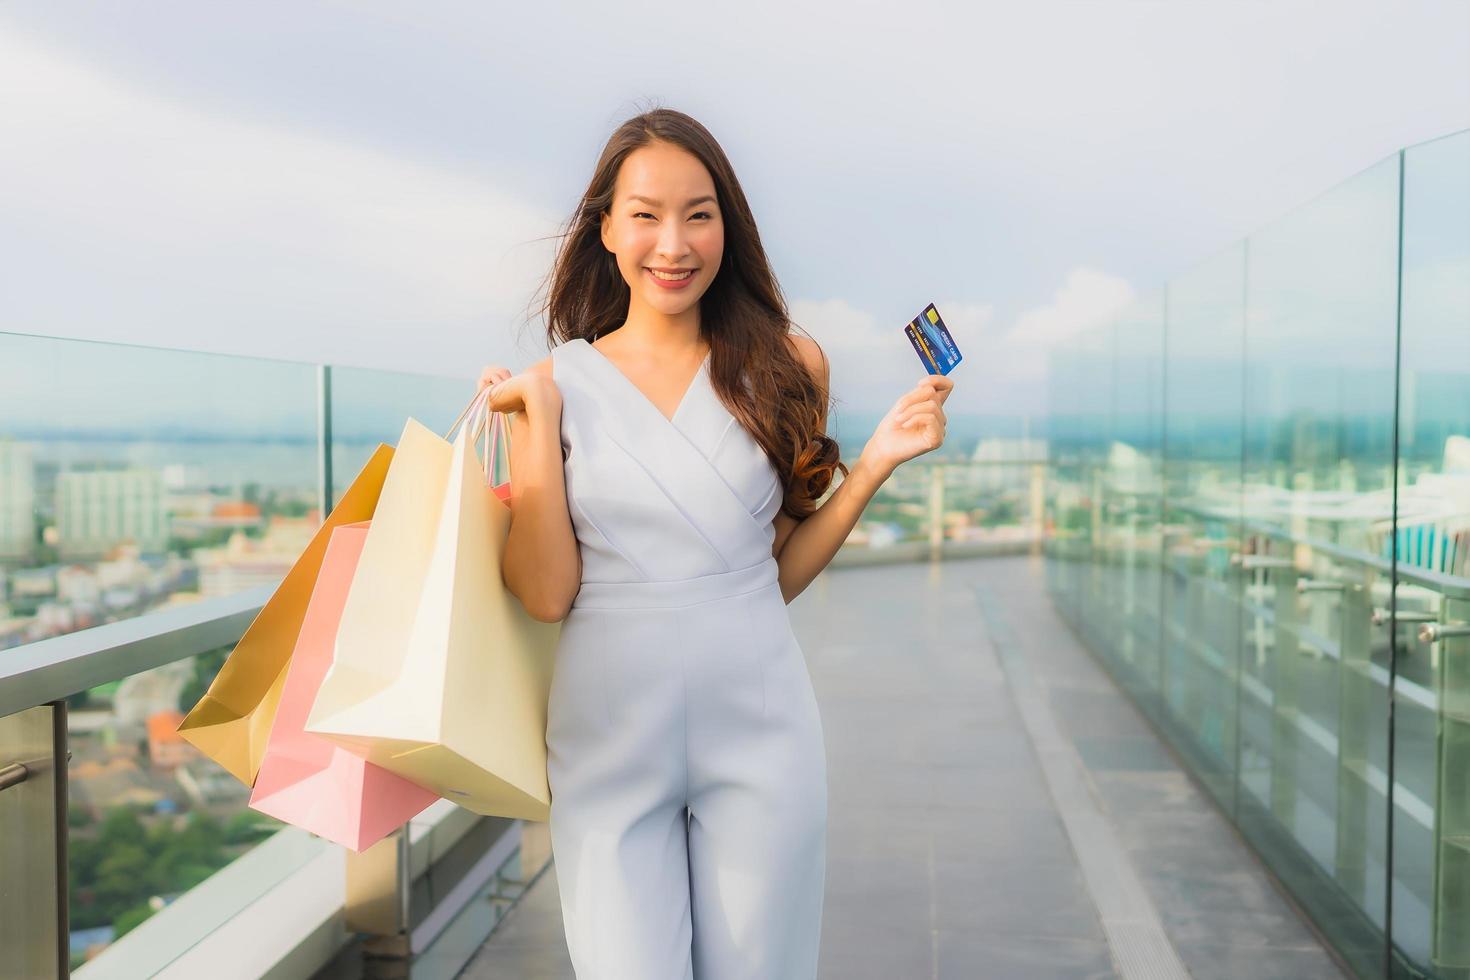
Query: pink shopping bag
{"points": [[304, 779]]}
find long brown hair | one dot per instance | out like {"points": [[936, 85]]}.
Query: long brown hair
{"points": [[743, 314]]}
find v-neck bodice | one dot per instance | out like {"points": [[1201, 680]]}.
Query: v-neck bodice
{"points": [[698, 377], [655, 498]]}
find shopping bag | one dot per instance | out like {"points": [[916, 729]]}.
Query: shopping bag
{"points": [[232, 721], [439, 674], [304, 779]]}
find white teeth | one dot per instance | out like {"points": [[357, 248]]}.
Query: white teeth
{"points": [[670, 278]]}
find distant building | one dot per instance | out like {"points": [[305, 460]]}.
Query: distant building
{"points": [[194, 523], [17, 502], [15, 630], [97, 785], [166, 747], [247, 562], [996, 453], [206, 784], [97, 510], [77, 584], [142, 695]]}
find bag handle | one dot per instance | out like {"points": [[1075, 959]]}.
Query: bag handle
{"points": [[496, 428], [477, 413], [480, 396]]}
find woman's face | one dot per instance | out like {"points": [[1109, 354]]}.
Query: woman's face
{"points": [[664, 216]]}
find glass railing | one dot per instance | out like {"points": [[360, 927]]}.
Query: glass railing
{"points": [[1260, 485], [137, 484]]}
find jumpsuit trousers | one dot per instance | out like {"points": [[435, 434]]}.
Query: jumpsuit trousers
{"points": [[685, 754]]}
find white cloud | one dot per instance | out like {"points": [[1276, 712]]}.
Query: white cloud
{"points": [[837, 325], [1003, 371], [137, 218], [1086, 299]]}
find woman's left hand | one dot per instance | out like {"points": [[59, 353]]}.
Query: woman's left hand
{"points": [[913, 426]]}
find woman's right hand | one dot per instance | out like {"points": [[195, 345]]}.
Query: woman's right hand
{"points": [[513, 392]]}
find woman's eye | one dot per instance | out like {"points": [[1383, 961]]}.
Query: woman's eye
{"points": [[698, 213]]}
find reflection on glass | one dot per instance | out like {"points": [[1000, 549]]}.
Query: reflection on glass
{"points": [[1298, 582], [1320, 336], [371, 407], [1202, 586], [132, 479], [1431, 538]]}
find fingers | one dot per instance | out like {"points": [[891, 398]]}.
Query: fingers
{"points": [[494, 374], [921, 417], [929, 406], [931, 386], [939, 384]]}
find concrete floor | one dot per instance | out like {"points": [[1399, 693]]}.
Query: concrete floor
{"points": [[948, 857]]}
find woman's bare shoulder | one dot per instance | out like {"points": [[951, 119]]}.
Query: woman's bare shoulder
{"points": [[542, 367], [812, 356]]}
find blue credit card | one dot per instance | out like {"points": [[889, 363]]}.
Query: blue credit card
{"points": [[931, 339]]}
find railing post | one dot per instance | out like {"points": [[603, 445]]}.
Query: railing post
{"points": [[377, 906], [1358, 697], [936, 511], [1037, 499], [1451, 949], [34, 931], [324, 438], [1285, 694]]}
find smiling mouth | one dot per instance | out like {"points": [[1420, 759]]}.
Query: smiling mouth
{"points": [[669, 277]]}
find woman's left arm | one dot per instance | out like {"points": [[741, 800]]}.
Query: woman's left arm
{"points": [[913, 426]]}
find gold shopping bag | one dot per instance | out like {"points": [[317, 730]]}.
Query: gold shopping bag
{"points": [[232, 721], [439, 673]]}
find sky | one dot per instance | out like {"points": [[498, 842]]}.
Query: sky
{"points": [[374, 184]]}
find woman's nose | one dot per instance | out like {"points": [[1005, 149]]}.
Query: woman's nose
{"points": [[671, 242]]}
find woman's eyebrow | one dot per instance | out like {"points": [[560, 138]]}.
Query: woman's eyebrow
{"points": [[659, 204]]}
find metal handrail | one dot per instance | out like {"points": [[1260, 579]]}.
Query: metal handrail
{"points": [[1453, 586], [60, 666]]}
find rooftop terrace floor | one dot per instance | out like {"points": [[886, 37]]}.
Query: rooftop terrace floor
{"points": [[997, 807]]}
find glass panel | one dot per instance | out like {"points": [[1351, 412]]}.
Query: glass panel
{"points": [[31, 842], [1277, 542], [1431, 831], [1202, 499], [150, 817], [1134, 508], [371, 407], [1320, 347], [1082, 398], [133, 478], [1095, 410]]}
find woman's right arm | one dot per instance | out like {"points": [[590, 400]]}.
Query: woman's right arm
{"points": [[542, 565]]}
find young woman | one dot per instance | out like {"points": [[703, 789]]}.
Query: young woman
{"points": [[665, 464]]}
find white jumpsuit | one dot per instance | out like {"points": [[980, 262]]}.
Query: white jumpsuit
{"points": [[684, 748]]}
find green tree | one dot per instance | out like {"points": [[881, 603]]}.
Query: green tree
{"points": [[122, 880], [248, 825], [120, 825], [82, 855], [206, 666], [131, 919]]}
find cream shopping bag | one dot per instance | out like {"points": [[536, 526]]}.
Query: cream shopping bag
{"points": [[439, 673]]}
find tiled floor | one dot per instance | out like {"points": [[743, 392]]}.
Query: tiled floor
{"points": [[947, 856]]}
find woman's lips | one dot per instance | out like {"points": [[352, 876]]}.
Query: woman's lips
{"points": [[671, 284]]}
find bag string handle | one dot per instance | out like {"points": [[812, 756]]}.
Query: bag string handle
{"points": [[476, 414]]}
